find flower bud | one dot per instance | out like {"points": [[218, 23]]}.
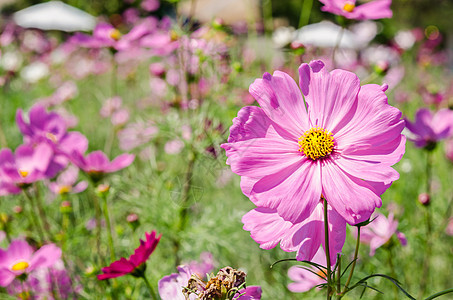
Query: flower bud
{"points": [[424, 199]]}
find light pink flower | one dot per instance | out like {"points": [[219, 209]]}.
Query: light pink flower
{"points": [[372, 10], [66, 182], [136, 134], [20, 258], [380, 231], [174, 146], [341, 145], [268, 229], [304, 279], [429, 128]]}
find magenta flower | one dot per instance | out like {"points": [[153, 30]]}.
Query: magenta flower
{"points": [[135, 261], [20, 259], [430, 128], [305, 280], [96, 163], [26, 165], [268, 229], [66, 182], [340, 146], [380, 231], [372, 10]]}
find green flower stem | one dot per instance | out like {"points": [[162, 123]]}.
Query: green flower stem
{"points": [[41, 212], [426, 262], [439, 294], [338, 275], [356, 253], [326, 237], [35, 221], [97, 217], [109, 226], [305, 13], [184, 211], [150, 287], [267, 14]]}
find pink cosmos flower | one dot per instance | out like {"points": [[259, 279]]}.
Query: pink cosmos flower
{"points": [[304, 279], [380, 231], [66, 182], [136, 134], [26, 165], [429, 128], [96, 163], [268, 229], [20, 259], [372, 10], [204, 266], [137, 260], [340, 145]]}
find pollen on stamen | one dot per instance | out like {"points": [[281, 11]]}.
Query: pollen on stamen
{"points": [[20, 266], [349, 7], [23, 173], [52, 137], [316, 143]]}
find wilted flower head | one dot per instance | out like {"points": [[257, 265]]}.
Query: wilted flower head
{"points": [[340, 146], [380, 231], [429, 128], [375, 9], [136, 263], [20, 259]]}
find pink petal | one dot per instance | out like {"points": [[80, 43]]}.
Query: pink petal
{"points": [[45, 257], [373, 10], [19, 250], [120, 162], [281, 100], [6, 277], [351, 197]]}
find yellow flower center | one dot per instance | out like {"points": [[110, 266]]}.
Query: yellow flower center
{"points": [[316, 143], [20, 266], [23, 173], [115, 34], [349, 7], [52, 137], [64, 189]]}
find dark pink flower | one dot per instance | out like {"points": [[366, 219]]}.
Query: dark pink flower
{"points": [[429, 128], [20, 258], [340, 145], [128, 266], [375, 9]]}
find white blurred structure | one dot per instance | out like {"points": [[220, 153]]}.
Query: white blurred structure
{"points": [[54, 15], [326, 35]]}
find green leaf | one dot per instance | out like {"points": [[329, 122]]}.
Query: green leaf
{"points": [[393, 280]]}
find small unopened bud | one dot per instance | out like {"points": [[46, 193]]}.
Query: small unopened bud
{"points": [[132, 220], [103, 189], [17, 209], [424, 199], [65, 207]]}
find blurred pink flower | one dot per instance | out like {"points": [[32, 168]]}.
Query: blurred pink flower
{"points": [[268, 229], [449, 150], [202, 267], [136, 134], [135, 261], [110, 106], [150, 5], [305, 280], [20, 258], [429, 128], [174, 146], [66, 182], [342, 146], [449, 228], [120, 117], [375, 9], [380, 231]]}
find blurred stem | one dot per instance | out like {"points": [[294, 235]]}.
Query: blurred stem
{"points": [[338, 275], [356, 253], [392, 269], [426, 261], [3, 142], [109, 226], [267, 15], [42, 214], [97, 217], [183, 213], [35, 221], [150, 288], [114, 72], [326, 241], [305, 13], [440, 294], [337, 45]]}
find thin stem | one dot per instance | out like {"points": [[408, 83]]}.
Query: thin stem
{"points": [[426, 261], [109, 226], [150, 288], [338, 275], [183, 213], [326, 237], [337, 45], [392, 269], [267, 14], [42, 214], [356, 253], [97, 217], [440, 294], [35, 221], [305, 13]]}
